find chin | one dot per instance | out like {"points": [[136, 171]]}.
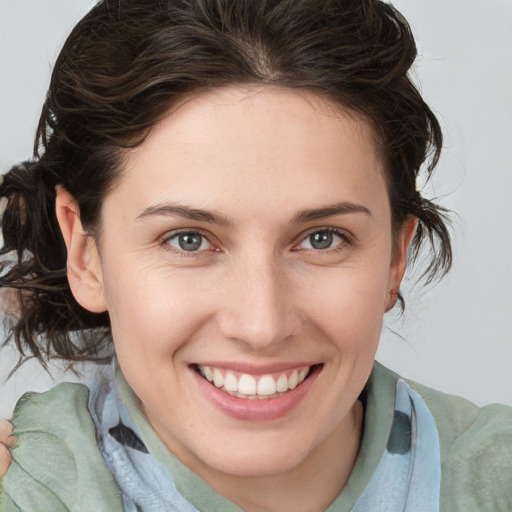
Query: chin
{"points": [[261, 463]]}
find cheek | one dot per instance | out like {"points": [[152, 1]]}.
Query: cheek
{"points": [[349, 305], [152, 313]]}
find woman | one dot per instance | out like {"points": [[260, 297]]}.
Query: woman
{"points": [[219, 213]]}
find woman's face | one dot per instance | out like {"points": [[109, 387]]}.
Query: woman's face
{"points": [[246, 261]]}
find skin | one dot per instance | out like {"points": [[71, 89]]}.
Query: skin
{"points": [[6, 441], [268, 165]]}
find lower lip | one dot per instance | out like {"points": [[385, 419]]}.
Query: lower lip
{"points": [[258, 409]]}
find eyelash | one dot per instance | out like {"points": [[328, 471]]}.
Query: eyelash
{"points": [[165, 242], [342, 234]]}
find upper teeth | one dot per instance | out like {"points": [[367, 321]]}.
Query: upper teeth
{"points": [[244, 385]]}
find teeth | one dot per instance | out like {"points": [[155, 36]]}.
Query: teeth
{"points": [[208, 373], [230, 383], [282, 384], [252, 388], [246, 385], [293, 380], [218, 379], [266, 386]]}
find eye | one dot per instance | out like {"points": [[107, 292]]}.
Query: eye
{"points": [[322, 240], [188, 241]]}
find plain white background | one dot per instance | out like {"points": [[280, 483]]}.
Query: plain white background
{"points": [[455, 336]]}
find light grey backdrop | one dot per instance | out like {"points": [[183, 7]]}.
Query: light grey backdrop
{"points": [[457, 335]]}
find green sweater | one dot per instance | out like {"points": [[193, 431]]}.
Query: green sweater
{"points": [[57, 465]]}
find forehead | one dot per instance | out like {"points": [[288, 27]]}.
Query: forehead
{"points": [[249, 111], [238, 145]]}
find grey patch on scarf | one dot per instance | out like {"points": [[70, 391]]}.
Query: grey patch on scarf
{"points": [[127, 437], [400, 436]]}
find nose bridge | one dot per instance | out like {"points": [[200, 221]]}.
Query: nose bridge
{"points": [[260, 309]]}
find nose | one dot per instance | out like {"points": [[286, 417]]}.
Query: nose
{"points": [[259, 308]]}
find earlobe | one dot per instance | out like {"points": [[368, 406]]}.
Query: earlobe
{"points": [[83, 261], [399, 259]]}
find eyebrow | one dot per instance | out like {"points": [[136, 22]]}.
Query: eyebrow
{"points": [[199, 215], [185, 212], [342, 208]]}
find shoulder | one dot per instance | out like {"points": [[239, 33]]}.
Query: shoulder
{"points": [[57, 464], [56, 409], [476, 451]]}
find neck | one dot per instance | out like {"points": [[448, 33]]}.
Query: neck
{"points": [[310, 486]]}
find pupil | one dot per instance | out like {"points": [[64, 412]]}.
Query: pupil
{"points": [[189, 242], [321, 240]]}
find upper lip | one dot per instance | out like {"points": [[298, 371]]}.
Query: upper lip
{"points": [[254, 369]]}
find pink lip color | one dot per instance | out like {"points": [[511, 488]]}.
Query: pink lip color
{"points": [[256, 410]]}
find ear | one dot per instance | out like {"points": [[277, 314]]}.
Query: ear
{"points": [[83, 262], [399, 259]]}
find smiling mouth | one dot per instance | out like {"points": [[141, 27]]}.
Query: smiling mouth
{"points": [[251, 387]]}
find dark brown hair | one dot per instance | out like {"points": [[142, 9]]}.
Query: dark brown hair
{"points": [[128, 61]]}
